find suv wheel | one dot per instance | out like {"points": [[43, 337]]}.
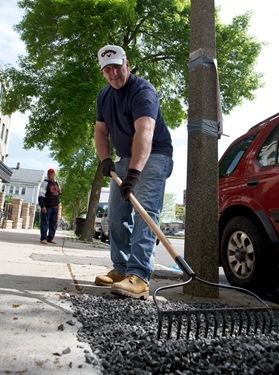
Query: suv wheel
{"points": [[246, 258], [103, 237]]}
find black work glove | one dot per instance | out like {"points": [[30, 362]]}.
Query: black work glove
{"points": [[129, 183], [107, 166]]}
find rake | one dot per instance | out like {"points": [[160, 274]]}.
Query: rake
{"points": [[200, 319]]}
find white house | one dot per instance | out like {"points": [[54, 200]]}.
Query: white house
{"points": [[24, 184], [5, 132]]}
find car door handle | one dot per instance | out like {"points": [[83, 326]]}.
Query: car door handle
{"points": [[253, 182]]}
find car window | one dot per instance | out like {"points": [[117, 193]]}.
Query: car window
{"points": [[101, 208], [268, 154], [234, 155]]}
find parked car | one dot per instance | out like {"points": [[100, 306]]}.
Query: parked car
{"points": [[102, 206], [104, 226], [179, 233], [167, 231], [249, 208]]}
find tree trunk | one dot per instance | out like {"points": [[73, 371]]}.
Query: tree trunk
{"points": [[76, 211], [201, 242], [88, 227]]}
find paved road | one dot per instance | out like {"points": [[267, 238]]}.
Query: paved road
{"points": [[163, 257]]}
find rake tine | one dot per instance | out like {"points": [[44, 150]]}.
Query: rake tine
{"points": [[198, 320], [215, 325], [256, 323], [250, 318], [239, 314], [188, 326], [169, 325], [242, 318], [206, 324], [264, 322], [160, 324], [224, 324], [268, 319], [248, 322], [179, 324], [232, 323]]}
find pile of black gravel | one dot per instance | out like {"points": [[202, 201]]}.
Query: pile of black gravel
{"points": [[122, 334]]}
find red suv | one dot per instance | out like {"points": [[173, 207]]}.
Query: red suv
{"points": [[249, 208]]}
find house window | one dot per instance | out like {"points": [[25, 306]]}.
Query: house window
{"points": [[11, 191], [16, 190], [23, 191], [6, 136], [3, 131]]}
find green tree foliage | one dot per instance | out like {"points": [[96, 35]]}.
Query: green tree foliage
{"points": [[172, 212], [168, 212], [76, 176], [180, 211], [237, 52], [58, 79]]}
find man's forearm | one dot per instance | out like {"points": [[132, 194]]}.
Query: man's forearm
{"points": [[142, 142], [141, 150], [102, 144]]}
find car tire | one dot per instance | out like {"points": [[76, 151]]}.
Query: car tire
{"points": [[103, 237], [246, 256]]}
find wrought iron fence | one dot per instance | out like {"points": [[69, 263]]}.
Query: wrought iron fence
{"points": [[6, 213]]}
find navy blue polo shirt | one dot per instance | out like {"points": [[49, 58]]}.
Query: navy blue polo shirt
{"points": [[119, 109]]}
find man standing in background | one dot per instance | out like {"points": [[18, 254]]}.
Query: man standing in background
{"points": [[49, 199]]}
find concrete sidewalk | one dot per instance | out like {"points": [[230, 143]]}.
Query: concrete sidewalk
{"points": [[38, 331]]}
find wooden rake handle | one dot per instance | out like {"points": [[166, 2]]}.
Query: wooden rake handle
{"points": [[156, 229]]}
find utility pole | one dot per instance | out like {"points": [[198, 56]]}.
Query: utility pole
{"points": [[204, 116]]}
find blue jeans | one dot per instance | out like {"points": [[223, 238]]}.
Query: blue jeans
{"points": [[49, 223], [132, 242]]}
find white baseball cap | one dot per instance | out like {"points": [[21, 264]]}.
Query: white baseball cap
{"points": [[111, 55]]}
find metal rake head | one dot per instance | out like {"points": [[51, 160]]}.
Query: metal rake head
{"points": [[214, 319], [211, 323]]}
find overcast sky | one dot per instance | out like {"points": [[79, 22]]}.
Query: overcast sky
{"points": [[263, 26]]}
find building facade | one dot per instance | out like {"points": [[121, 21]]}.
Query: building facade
{"points": [[24, 184], [5, 131]]}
